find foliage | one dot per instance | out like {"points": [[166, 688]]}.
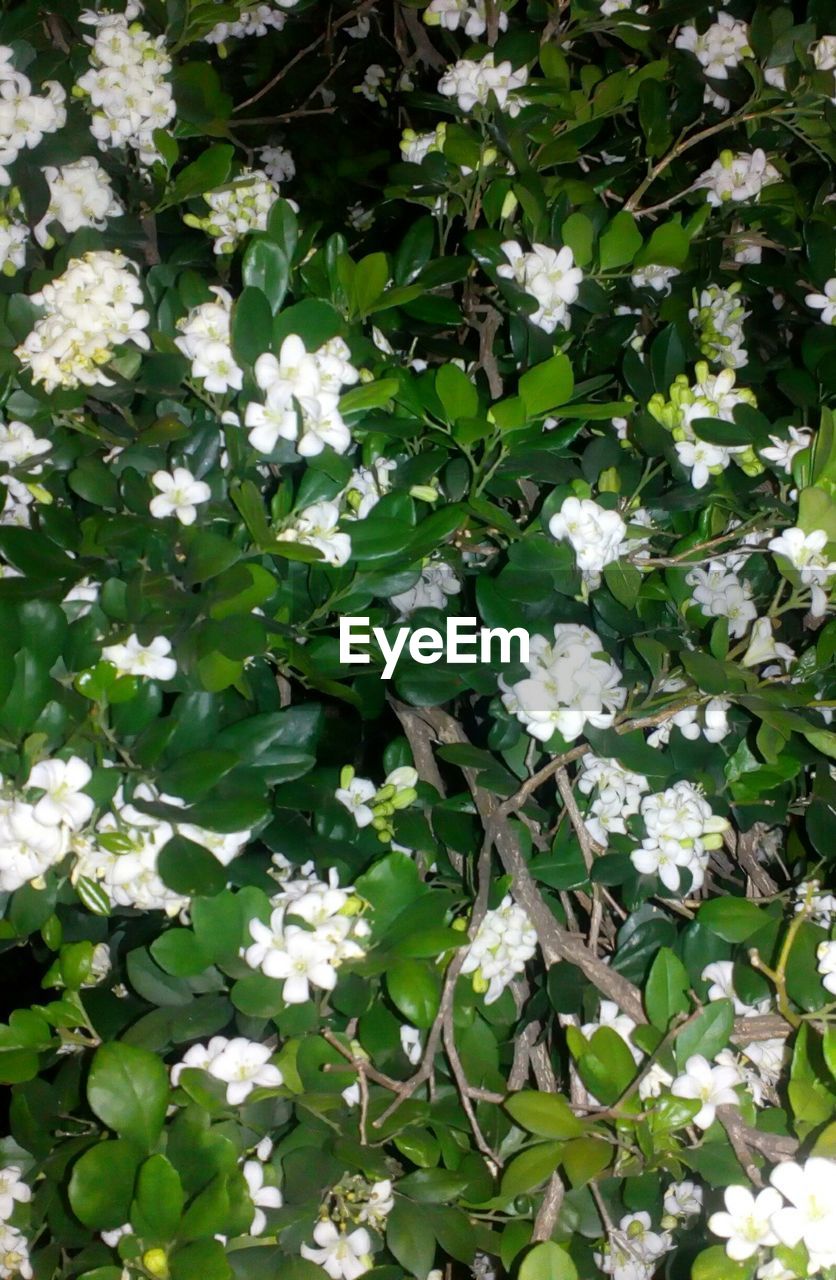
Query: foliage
{"points": [[494, 965]]}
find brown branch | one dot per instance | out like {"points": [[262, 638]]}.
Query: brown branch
{"points": [[425, 51], [745, 1139], [546, 1219]]}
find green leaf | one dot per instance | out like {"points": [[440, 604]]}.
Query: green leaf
{"points": [[415, 988], [547, 1261], [546, 1114], [579, 233], [408, 1240], [458, 395], [201, 1260], [620, 241], [102, 1183], [209, 170], [252, 325], [732, 919], [265, 267], [668, 246], [531, 1168], [155, 1213], [585, 1158], [715, 1264], [667, 987], [128, 1090], [547, 385], [707, 1034]]}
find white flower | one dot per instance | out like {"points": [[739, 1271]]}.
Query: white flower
{"points": [[80, 195], [263, 1197], [244, 1065], [549, 276], [14, 1254], [683, 1199], [254, 20], [473, 82], [712, 1086], [18, 443], [595, 534], [411, 1044], [24, 117], [316, 526], [721, 47], [654, 277], [355, 796], [805, 553], [180, 494], [95, 306], [681, 830], [573, 682], [700, 456], [738, 177], [437, 581], [720, 976], [225, 846], [618, 794], [126, 85], [811, 1214], [135, 659], [13, 1190], [826, 954], [379, 1204], [237, 210], [782, 452], [721, 594], [746, 1222], [763, 647], [63, 782], [343, 1256], [277, 163], [825, 302], [505, 941]]}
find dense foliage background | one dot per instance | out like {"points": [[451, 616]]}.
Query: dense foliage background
{"points": [[517, 311]]}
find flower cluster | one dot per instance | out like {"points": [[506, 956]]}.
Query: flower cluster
{"points": [[80, 195], [126, 83], [826, 956], [469, 14], [596, 534], [375, 806], [25, 117], [618, 795], [92, 308], [254, 19], [14, 1247], [308, 954], [235, 211], [472, 83], [316, 526], [710, 396], [37, 829], [737, 177], [805, 553], [633, 1250], [14, 234], [366, 486], [204, 339], [798, 1209], [549, 276], [437, 581], [572, 682], [720, 48], [311, 381], [720, 593], [717, 316], [242, 1065], [504, 943], [681, 831], [277, 163]]}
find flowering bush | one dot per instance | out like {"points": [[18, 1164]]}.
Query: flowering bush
{"points": [[515, 311]]}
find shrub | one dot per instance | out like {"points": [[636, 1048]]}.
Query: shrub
{"points": [[523, 313]]}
